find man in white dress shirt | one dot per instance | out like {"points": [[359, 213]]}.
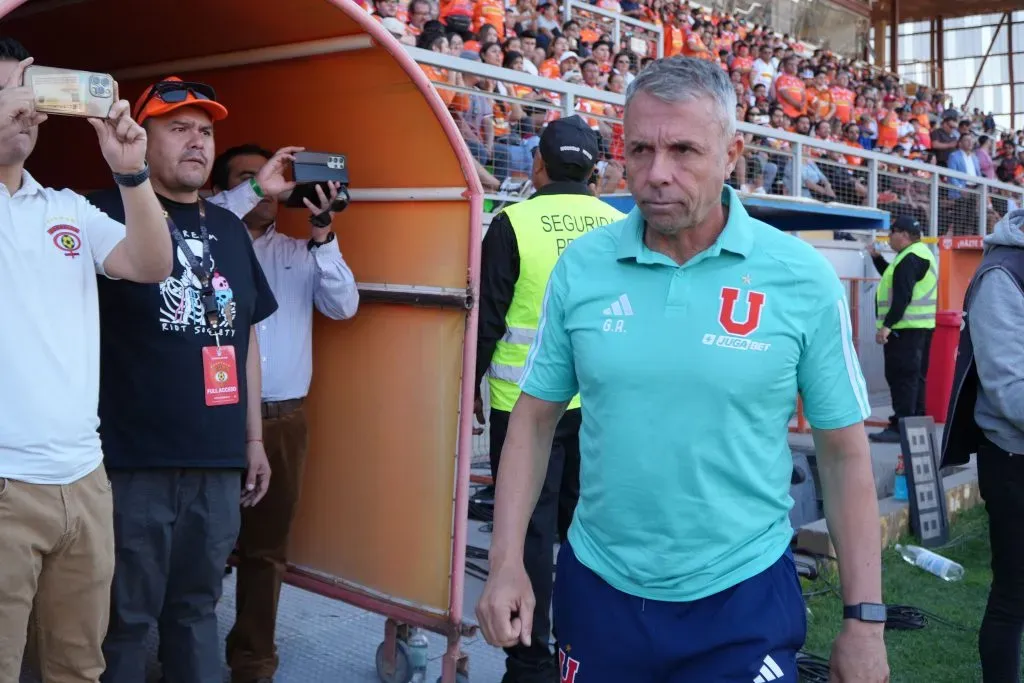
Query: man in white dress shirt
{"points": [[302, 274]]}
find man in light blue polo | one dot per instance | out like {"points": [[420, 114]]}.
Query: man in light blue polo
{"points": [[688, 329]]}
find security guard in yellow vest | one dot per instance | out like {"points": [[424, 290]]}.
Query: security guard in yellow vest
{"points": [[519, 251], [906, 301]]}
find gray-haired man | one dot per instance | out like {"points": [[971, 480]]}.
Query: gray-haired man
{"points": [[688, 328]]}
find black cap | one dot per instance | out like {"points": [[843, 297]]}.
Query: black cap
{"points": [[569, 149], [907, 224]]}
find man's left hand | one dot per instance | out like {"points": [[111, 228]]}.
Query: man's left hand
{"points": [[320, 234], [271, 176], [257, 476], [122, 141], [858, 655], [882, 336]]}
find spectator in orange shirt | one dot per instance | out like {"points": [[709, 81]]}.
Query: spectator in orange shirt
{"points": [[843, 98], [675, 39], [602, 54], [742, 62], [889, 125], [790, 90], [819, 97], [490, 12], [550, 67], [436, 42], [616, 145], [726, 35], [419, 14], [695, 45], [918, 113], [922, 134]]}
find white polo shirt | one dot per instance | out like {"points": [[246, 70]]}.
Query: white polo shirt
{"points": [[52, 245]]}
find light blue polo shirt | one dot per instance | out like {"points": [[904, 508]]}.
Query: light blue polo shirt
{"points": [[688, 377]]}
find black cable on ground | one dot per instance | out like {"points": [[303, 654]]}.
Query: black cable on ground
{"points": [[811, 668], [910, 618]]}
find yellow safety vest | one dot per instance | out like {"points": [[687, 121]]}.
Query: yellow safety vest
{"points": [[544, 226], [924, 300]]}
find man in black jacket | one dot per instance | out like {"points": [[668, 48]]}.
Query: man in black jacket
{"points": [[986, 416], [906, 302]]}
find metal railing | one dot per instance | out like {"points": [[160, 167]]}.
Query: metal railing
{"points": [[584, 12], [947, 201]]}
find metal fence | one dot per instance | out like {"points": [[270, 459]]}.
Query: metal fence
{"points": [[642, 36], [501, 112]]}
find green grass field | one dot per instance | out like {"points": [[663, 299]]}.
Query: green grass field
{"points": [[937, 653]]}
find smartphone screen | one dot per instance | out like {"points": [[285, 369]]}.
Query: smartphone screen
{"points": [[68, 92]]}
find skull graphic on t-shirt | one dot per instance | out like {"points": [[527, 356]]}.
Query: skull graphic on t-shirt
{"points": [[182, 305]]}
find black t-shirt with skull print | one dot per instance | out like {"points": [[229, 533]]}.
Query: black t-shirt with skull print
{"points": [[153, 408]]}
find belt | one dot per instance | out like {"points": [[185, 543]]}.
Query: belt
{"points": [[272, 409]]}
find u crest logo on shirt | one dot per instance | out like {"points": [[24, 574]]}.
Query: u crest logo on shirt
{"points": [[727, 312], [568, 667]]}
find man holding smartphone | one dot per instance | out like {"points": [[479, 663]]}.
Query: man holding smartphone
{"points": [[180, 404], [56, 529], [303, 274]]}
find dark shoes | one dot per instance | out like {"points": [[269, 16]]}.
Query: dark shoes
{"points": [[887, 435]]}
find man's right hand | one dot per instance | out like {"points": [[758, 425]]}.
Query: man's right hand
{"points": [[505, 610], [478, 412], [17, 103]]}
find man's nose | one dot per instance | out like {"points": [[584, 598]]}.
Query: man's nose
{"points": [[660, 172]]}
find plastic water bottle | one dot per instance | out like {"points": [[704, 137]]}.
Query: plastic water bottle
{"points": [[942, 567], [418, 646]]}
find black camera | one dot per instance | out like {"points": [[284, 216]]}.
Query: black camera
{"points": [[315, 169]]}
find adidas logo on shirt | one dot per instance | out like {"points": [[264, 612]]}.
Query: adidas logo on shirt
{"points": [[619, 309], [770, 671]]}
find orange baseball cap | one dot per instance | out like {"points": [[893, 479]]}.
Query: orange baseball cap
{"points": [[173, 93]]}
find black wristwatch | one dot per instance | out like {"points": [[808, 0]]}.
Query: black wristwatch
{"points": [[313, 244], [866, 611], [132, 179]]}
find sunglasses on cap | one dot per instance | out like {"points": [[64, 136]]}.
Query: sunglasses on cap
{"points": [[173, 92]]}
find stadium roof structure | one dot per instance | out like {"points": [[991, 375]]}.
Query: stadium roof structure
{"points": [[923, 10]]}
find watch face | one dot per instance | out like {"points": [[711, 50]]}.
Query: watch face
{"points": [[869, 612]]}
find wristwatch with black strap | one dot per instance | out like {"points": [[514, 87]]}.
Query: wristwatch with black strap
{"points": [[132, 179], [870, 612], [313, 244]]}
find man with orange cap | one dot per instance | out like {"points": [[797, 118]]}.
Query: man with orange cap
{"points": [[180, 403]]}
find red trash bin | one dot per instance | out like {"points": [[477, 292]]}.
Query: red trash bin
{"points": [[942, 363]]}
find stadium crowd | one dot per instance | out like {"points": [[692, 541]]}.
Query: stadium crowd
{"points": [[780, 83]]}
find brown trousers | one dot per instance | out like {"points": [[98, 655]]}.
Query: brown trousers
{"points": [[262, 548], [56, 564]]}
